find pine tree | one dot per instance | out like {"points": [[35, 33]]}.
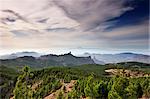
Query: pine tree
{"points": [[22, 90]]}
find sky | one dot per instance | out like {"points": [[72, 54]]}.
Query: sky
{"points": [[60, 26]]}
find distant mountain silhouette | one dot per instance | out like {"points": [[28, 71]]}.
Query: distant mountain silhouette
{"points": [[20, 54], [38, 60], [121, 57], [47, 60]]}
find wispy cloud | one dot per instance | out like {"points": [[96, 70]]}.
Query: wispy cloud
{"points": [[15, 14], [37, 24], [92, 13]]}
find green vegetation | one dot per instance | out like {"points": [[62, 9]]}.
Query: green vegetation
{"points": [[25, 90], [115, 88], [96, 69], [90, 82], [135, 66], [8, 78]]}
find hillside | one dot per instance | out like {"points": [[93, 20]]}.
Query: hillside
{"points": [[8, 77], [47, 60], [78, 83], [49, 82], [97, 58]]}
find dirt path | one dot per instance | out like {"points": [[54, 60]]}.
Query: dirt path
{"points": [[127, 73], [36, 85]]}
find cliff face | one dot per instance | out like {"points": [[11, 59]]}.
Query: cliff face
{"points": [[68, 59], [48, 60]]}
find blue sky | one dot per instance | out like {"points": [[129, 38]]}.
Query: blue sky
{"points": [[59, 26], [135, 16]]}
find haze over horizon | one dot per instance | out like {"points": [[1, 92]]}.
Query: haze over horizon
{"points": [[79, 26]]}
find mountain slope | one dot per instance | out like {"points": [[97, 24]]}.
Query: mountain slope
{"points": [[47, 60], [121, 57]]}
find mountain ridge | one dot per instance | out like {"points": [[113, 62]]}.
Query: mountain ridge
{"points": [[20, 54], [120, 57], [97, 58], [47, 60]]}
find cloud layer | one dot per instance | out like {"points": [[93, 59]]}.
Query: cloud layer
{"points": [[92, 13], [80, 24]]}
